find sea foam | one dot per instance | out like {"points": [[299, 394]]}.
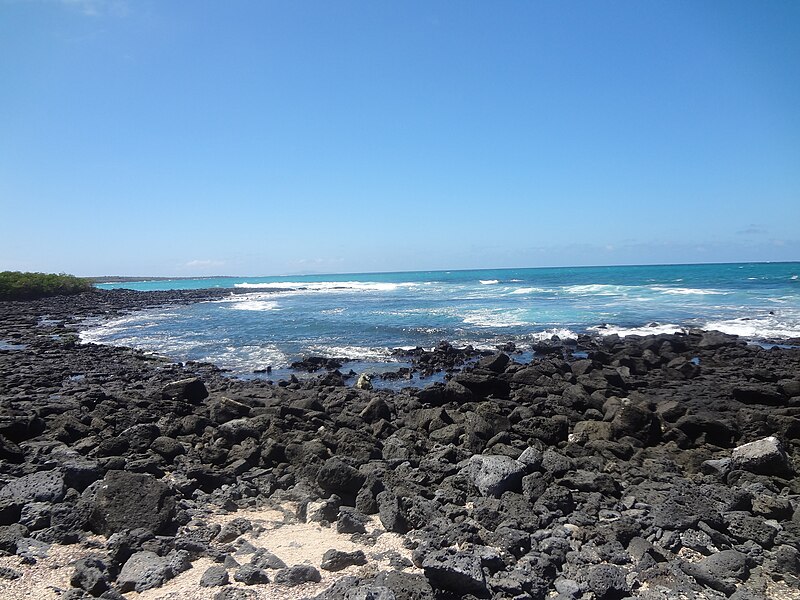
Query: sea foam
{"points": [[652, 329], [328, 286]]}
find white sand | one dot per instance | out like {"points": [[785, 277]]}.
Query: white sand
{"points": [[294, 543]]}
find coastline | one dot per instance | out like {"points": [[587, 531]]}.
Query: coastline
{"points": [[614, 474]]}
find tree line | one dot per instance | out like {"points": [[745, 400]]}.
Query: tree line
{"points": [[17, 285]]}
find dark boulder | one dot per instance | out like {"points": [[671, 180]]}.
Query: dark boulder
{"points": [[44, 486], [607, 582], [495, 363], [214, 576], [144, 570], [336, 560], [91, 574], [191, 390], [337, 477], [493, 475], [455, 571], [250, 575], [130, 501], [296, 575]]}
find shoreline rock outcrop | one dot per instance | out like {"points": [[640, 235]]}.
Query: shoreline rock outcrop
{"points": [[652, 467]]}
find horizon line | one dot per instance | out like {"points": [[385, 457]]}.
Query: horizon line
{"points": [[136, 278]]}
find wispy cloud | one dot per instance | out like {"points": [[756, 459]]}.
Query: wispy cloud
{"points": [[200, 264], [318, 261], [752, 230], [97, 8]]}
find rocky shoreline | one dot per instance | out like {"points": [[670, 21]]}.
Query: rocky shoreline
{"points": [[645, 467]]}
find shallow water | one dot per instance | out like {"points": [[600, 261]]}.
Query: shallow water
{"points": [[365, 316]]}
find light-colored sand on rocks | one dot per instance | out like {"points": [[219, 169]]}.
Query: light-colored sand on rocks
{"points": [[294, 543]]}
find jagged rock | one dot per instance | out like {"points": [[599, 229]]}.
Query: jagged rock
{"points": [[10, 535], [192, 390], [144, 570], [214, 576], [493, 475], [744, 527], [167, 447], [233, 529], [221, 410], [263, 559], [496, 363], [720, 571], [91, 574], [44, 486], [9, 574], [585, 431], [336, 560], [765, 456], [296, 575], [250, 575], [350, 521], [455, 571], [232, 593], [337, 477], [132, 500], [607, 582], [390, 513]]}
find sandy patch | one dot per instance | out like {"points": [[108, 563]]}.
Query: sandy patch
{"points": [[293, 542]]}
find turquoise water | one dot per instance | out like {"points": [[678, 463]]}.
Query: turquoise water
{"points": [[364, 316]]}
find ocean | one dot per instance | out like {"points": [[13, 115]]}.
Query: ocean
{"points": [[364, 316]]}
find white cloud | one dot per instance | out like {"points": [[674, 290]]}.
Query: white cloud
{"points": [[199, 264], [96, 8]]}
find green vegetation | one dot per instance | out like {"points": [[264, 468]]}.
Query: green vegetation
{"points": [[16, 285]]}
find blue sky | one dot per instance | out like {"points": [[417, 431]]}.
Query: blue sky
{"points": [[175, 138]]}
